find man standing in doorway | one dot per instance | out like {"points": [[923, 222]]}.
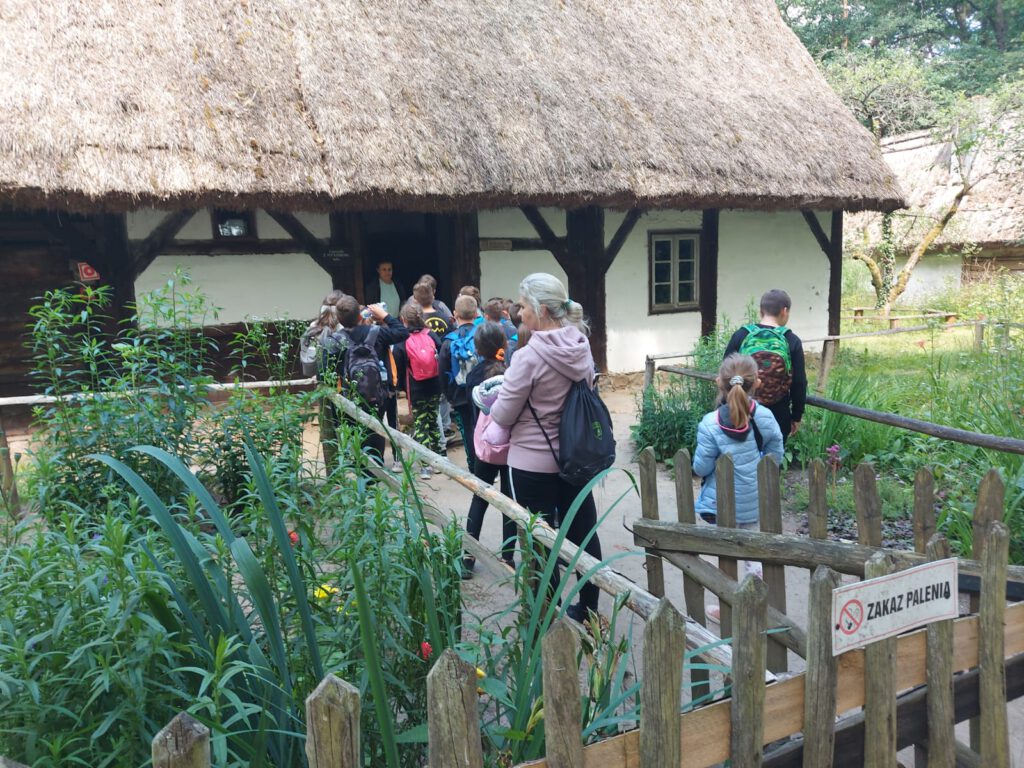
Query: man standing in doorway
{"points": [[384, 290]]}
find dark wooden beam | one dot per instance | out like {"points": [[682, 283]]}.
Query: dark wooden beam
{"points": [[708, 276], [557, 245], [465, 264], [511, 244], [144, 251], [585, 266], [228, 247], [62, 228], [313, 245], [623, 232], [817, 231], [835, 275], [116, 265]]}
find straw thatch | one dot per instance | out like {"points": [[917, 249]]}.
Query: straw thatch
{"points": [[991, 215], [422, 104]]}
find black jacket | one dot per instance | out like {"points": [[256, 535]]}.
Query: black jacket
{"points": [[392, 332], [798, 389], [371, 294]]}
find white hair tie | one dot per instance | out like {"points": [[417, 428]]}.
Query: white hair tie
{"points": [[736, 380]]}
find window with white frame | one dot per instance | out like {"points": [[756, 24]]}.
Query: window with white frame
{"points": [[674, 268]]}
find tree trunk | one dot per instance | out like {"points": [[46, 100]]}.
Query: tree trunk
{"points": [[904, 277], [999, 26]]}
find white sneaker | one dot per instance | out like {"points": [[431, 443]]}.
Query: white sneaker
{"points": [[424, 473], [397, 467]]}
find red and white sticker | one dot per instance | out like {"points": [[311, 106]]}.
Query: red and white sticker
{"points": [[875, 609], [87, 273]]}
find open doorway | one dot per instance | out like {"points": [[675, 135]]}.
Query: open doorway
{"points": [[412, 242]]}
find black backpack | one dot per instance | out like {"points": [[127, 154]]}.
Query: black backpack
{"points": [[361, 374], [586, 445]]}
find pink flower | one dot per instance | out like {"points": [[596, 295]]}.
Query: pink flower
{"points": [[425, 650], [293, 537]]}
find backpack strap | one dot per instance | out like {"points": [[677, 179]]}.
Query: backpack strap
{"points": [[758, 437], [551, 446]]}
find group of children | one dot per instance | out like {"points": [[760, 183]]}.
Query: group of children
{"points": [[450, 365]]}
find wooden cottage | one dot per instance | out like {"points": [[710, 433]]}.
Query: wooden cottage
{"points": [[669, 159], [987, 231]]}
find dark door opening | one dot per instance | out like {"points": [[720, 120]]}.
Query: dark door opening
{"points": [[414, 244]]}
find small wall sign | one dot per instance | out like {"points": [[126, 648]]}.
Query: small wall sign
{"points": [[875, 609], [87, 273]]}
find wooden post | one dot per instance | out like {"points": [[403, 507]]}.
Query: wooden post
{"points": [[989, 507], [664, 641], [994, 744], [649, 510], [817, 506], [332, 725], [924, 508], [828, 358], [880, 685], [939, 668], [693, 592], [770, 505], [183, 743], [869, 506], [563, 739], [979, 336], [708, 271], [725, 483], [748, 669], [585, 268], [8, 479], [820, 679], [649, 366], [454, 723]]}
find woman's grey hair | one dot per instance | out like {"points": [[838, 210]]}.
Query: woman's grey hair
{"points": [[541, 289]]}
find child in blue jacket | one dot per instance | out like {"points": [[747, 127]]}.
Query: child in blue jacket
{"points": [[743, 429]]}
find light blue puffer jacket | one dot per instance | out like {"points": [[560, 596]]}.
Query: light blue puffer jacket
{"points": [[712, 442]]}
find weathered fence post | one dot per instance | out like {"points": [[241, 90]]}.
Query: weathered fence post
{"points": [[563, 739], [817, 506], [182, 743], [454, 723], [649, 510], [693, 591], [879, 684], [648, 372], [332, 725], [869, 506], [769, 498], [924, 508], [725, 486], [979, 336], [939, 669], [828, 358], [820, 679], [994, 741], [664, 644], [748, 670], [8, 481], [989, 507]]}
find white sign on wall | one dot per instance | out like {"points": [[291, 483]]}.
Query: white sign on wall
{"points": [[875, 609]]}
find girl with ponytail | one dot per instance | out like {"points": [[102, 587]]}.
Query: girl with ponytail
{"points": [[745, 430]]}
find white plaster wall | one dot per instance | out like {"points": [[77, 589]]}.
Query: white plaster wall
{"points": [[934, 275], [632, 333], [270, 286], [758, 251], [501, 271]]}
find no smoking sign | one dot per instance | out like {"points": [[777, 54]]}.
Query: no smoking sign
{"points": [[875, 609]]}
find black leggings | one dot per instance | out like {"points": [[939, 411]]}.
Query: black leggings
{"points": [[550, 496], [475, 520]]}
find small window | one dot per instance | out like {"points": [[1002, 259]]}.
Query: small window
{"points": [[674, 271], [234, 225]]}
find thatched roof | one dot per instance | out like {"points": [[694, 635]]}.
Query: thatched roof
{"points": [[422, 104], [991, 214]]}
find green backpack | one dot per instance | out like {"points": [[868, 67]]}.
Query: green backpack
{"points": [[769, 348]]}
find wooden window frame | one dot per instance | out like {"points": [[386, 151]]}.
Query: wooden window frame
{"points": [[694, 235], [217, 214]]}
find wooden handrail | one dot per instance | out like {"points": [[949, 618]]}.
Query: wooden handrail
{"points": [[992, 442]]}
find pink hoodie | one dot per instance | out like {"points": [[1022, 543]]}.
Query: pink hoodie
{"points": [[542, 373]]}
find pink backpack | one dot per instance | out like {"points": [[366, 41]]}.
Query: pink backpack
{"points": [[492, 454], [422, 354]]}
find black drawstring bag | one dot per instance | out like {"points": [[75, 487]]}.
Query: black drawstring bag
{"points": [[586, 445]]}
